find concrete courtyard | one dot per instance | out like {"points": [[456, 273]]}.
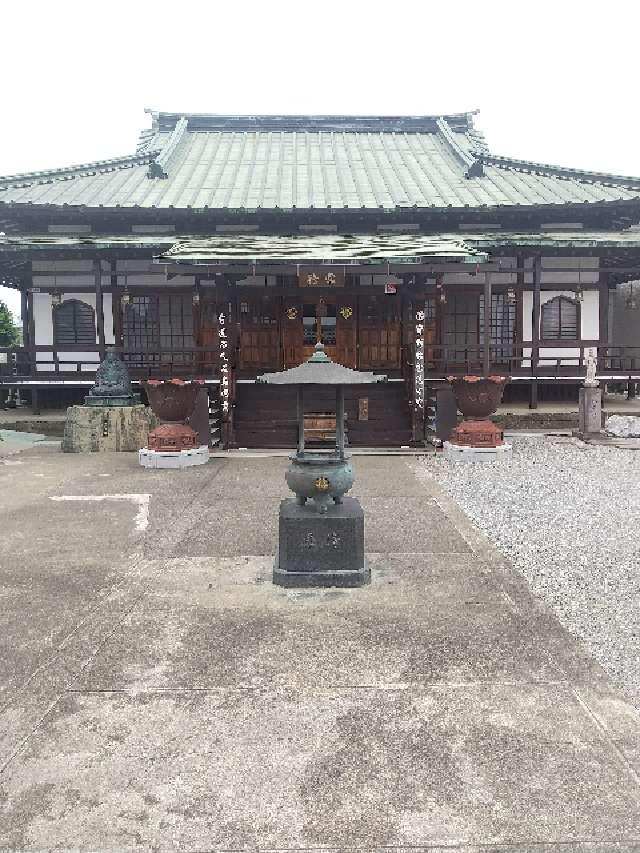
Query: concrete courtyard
{"points": [[158, 692]]}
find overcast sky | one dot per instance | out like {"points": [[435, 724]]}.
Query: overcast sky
{"points": [[556, 82]]}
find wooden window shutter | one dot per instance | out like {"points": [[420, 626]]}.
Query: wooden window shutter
{"points": [[74, 324], [559, 320]]}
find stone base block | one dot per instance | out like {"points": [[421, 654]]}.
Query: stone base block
{"points": [[590, 412], [461, 453], [101, 429], [133, 400], [321, 549], [173, 459]]}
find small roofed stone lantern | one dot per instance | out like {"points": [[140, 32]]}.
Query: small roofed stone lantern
{"points": [[321, 532]]}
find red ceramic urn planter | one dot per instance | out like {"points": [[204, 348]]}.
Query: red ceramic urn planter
{"points": [[172, 400], [477, 397]]}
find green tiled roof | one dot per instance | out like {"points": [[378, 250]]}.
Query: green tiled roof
{"points": [[303, 162]]}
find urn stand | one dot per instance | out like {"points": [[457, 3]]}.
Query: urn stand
{"points": [[173, 444], [477, 438]]}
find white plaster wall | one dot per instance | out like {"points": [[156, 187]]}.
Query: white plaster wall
{"points": [[555, 270], [42, 319], [107, 310]]}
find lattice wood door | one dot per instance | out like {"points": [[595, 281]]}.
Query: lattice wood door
{"points": [[380, 332], [259, 332]]}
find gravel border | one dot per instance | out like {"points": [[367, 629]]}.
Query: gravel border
{"points": [[567, 515]]}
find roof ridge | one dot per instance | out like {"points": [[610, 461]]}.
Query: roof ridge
{"points": [[179, 115], [166, 121], [48, 175], [558, 171]]}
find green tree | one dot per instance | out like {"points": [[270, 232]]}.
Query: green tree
{"points": [[9, 335]]}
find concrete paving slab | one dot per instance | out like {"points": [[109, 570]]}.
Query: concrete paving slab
{"points": [[446, 580], [440, 707], [228, 626], [410, 524], [619, 720], [236, 527], [54, 606], [238, 769], [384, 476]]}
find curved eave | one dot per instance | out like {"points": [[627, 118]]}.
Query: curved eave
{"points": [[466, 209]]}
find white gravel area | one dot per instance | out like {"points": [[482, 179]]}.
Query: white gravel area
{"points": [[568, 517]]}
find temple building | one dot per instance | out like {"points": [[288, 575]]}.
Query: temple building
{"points": [[227, 246]]}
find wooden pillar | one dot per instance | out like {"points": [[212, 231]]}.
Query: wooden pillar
{"points": [[520, 287], [97, 275], [32, 330], [486, 348], [535, 333], [603, 305], [116, 306], [24, 316], [197, 360], [300, 401], [340, 420]]}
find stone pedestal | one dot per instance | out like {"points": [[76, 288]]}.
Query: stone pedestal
{"points": [[172, 438], [590, 412], [100, 429], [477, 433], [149, 458], [321, 549], [462, 453]]}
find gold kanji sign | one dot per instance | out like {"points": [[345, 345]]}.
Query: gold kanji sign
{"points": [[320, 278]]}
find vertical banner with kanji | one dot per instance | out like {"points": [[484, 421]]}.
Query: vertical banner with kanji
{"points": [[418, 373], [226, 379]]}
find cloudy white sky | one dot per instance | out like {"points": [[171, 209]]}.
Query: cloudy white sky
{"points": [[555, 82]]}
